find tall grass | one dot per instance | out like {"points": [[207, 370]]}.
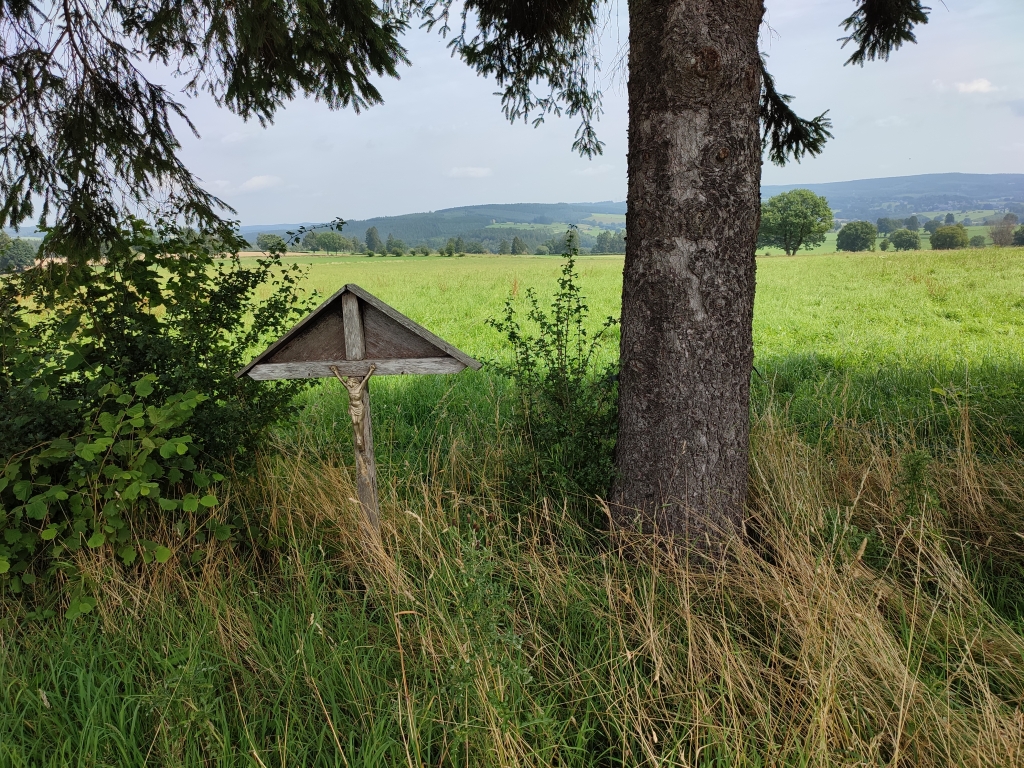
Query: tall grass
{"points": [[871, 616]]}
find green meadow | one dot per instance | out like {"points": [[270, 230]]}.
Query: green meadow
{"points": [[872, 615]]}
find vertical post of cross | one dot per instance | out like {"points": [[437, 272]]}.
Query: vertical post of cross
{"points": [[359, 409]]}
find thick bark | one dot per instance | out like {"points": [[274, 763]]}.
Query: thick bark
{"points": [[688, 284]]}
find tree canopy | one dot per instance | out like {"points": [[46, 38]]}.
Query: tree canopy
{"points": [[905, 240], [269, 242], [950, 238], [857, 236], [794, 220], [373, 242], [90, 135], [15, 255]]}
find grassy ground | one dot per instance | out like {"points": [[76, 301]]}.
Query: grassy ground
{"points": [[874, 615]]}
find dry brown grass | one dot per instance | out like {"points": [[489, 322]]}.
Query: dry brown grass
{"points": [[843, 629]]}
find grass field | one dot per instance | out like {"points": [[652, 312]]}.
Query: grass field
{"points": [[874, 616]]}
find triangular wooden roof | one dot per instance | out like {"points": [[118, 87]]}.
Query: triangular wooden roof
{"points": [[389, 340]]}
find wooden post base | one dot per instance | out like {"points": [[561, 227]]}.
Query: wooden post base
{"points": [[362, 444]]}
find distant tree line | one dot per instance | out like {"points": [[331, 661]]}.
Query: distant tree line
{"points": [[800, 219], [16, 255]]}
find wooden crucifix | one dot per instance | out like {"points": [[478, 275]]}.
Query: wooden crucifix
{"points": [[353, 336]]}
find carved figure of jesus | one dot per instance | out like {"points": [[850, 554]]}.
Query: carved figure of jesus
{"points": [[356, 410]]}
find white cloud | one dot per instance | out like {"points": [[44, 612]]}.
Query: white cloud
{"points": [[236, 136], [469, 172], [981, 85], [594, 170], [257, 183], [892, 121]]}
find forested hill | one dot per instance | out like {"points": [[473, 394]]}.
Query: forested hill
{"points": [[469, 221], [871, 198], [859, 199]]}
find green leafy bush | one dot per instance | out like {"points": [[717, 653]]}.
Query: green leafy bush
{"points": [[160, 311], [90, 489], [569, 400], [905, 240], [857, 236], [978, 241], [950, 238]]}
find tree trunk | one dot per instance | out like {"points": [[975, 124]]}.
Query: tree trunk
{"points": [[694, 204]]}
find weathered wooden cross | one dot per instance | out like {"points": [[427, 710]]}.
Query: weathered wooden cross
{"points": [[353, 336]]}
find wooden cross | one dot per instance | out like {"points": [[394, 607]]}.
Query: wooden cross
{"points": [[353, 336]]}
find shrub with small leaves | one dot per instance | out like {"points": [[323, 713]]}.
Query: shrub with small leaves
{"points": [[569, 400]]}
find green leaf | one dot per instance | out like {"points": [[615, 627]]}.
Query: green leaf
{"points": [[49, 533], [5, 565], [162, 554], [96, 540], [208, 500], [190, 503], [36, 510], [144, 387], [28, 578], [168, 504], [128, 555]]}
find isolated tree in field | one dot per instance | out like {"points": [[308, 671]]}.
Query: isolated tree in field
{"points": [[794, 220], [905, 240], [1002, 232], [912, 224], [931, 226], [950, 238], [519, 247], [504, 248], [333, 242], [702, 110], [1018, 236], [978, 241], [311, 242], [394, 246], [373, 241], [269, 242], [857, 236], [950, 219]]}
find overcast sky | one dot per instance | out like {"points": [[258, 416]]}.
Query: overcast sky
{"points": [[954, 102]]}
